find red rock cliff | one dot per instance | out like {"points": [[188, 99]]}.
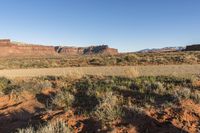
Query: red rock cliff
{"points": [[103, 49], [7, 48]]}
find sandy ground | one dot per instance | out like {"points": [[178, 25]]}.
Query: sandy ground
{"points": [[131, 71]]}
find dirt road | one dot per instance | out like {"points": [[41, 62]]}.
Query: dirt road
{"points": [[177, 70]]}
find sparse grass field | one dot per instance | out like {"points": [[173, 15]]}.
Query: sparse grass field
{"points": [[136, 93], [100, 104], [167, 58], [125, 71]]}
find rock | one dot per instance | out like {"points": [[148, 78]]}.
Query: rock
{"points": [[5, 42], [195, 47], [71, 51], [8, 48], [103, 49]]}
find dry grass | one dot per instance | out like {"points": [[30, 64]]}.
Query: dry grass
{"points": [[134, 59], [105, 101], [56, 127], [125, 71]]}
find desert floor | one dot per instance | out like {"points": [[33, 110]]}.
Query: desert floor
{"points": [[130, 71]]}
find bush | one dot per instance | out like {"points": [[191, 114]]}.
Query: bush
{"points": [[57, 127], [196, 96], [4, 82], [119, 60], [64, 99], [109, 108], [183, 92], [131, 58], [96, 61], [34, 86], [131, 111], [12, 88], [176, 81], [158, 88]]}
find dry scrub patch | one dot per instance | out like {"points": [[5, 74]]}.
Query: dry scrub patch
{"points": [[100, 104], [131, 59]]}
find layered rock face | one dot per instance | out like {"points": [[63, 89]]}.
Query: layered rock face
{"points": [[103, 49], [8, 48], [5, 42], [69, 50], [195, 47]]}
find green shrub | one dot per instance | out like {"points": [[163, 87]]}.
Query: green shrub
{"points": [[131, 58], [97, 61], [196, 96], [119, 60], [176, 81], [4, 83]]}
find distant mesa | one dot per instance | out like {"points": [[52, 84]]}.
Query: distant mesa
{"points": [[101, 49], [5, 42], [194, 47], [15, 49], [165, 49], [9, 48]]}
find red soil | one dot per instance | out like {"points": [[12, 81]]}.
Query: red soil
{"points": [[20, 112]]}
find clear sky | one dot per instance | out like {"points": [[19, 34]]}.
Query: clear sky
{"points": [[128, 25]]}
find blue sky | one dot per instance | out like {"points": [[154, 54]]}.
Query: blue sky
{"points": [[128, 25]]}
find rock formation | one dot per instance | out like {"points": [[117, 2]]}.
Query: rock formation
{"points": [[195, 47], [70, 51], [102, 49], [8, 48], [5, 42]]}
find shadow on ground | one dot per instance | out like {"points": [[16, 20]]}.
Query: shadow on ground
{"points": [[145, 124], [20, 119]]}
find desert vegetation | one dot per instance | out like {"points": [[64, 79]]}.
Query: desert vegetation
{"points": [[100, 104], [104, 66], [163, 58]]}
